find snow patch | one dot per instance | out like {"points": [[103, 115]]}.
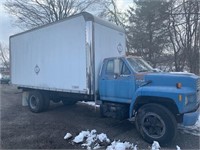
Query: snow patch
{"points": [[97, 146], [177, 147], [103, 137], [90, 139], [90, 103], [194, 130], [67, 136], [197, 124], [117, 145], [79, 138], [155, 146], [135, 147]]}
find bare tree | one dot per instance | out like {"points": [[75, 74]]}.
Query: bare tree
{"points": [[176, 38], [4, 56], [113, 13], [184, 26], [33, 13], [192, 44]]}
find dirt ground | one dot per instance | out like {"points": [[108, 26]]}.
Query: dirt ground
{"points": [[22, 129]]}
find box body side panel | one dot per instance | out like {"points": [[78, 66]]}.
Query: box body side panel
{"points": [[53, 57], [108, 42]]}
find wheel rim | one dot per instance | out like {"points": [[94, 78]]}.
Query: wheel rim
{"points": [[34, 102], [153, 125]]}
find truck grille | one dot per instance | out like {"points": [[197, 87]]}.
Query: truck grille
{"points": [[198, 89]]}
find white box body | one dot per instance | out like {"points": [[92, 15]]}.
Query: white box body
{"points": [[66, 55]]}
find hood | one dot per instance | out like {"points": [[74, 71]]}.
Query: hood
{"points": [[171, 79]]}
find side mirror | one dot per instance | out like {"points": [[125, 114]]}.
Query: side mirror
{"points": [[116, 67]]}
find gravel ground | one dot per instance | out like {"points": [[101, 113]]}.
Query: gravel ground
{"points": [[22, 129]]}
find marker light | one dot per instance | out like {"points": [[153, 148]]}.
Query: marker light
{"points": [[178, 85], [180, 97]]}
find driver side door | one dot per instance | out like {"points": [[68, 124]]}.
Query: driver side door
{"points": [[117, 88]]}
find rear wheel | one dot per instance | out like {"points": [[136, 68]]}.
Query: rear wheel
{"points": [[35, 101], [156, 123]]}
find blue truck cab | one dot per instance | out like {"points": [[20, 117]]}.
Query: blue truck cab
{"points": [[157, 101]]}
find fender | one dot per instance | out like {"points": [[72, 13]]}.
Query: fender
{"points": [[161, 93], [138, 92]]}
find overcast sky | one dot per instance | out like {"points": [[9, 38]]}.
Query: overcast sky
{"points": [[6, 27], [6, 21]]}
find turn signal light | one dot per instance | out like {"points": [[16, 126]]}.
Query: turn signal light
{"points": [[178, 85], [180, 97]]}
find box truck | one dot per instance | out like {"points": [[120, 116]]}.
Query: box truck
{"points": [[83, 58]]}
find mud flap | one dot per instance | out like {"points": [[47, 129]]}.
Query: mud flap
{"points": [[25, 99]]}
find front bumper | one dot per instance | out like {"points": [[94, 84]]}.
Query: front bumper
{"points": [[191, 118]]}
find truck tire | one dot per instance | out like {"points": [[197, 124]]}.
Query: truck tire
{"points": [[35, 101], [156, 123], [68, 102]]}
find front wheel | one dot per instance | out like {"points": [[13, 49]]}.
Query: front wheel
{"points": [[156, 123]]}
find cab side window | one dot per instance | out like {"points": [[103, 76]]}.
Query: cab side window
{"points": [[110, 67], [125, 70], [122, 66]]}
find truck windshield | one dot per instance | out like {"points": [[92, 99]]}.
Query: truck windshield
{"points": [[139, 65]]}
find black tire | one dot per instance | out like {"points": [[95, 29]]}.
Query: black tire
{"points": [[68, 102], [35, 101], [156, 123]]}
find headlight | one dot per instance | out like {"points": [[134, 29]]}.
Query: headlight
{"points": [[186, 100], [189, 99]]}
